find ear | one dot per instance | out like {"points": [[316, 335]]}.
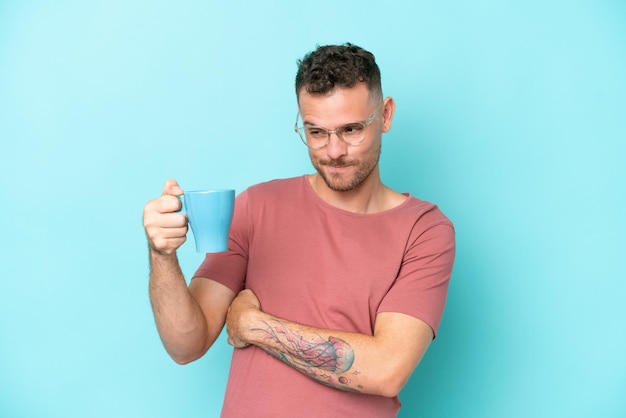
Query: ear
{"points": [[389, 107]]}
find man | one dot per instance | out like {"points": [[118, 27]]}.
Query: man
{"points": [[333, 285]]}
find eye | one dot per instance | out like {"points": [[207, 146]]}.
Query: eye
{"points": [[315, 132], [352, 129]]}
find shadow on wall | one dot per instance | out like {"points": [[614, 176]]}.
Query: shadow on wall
{"points": [[454, 369], [451, 368]]}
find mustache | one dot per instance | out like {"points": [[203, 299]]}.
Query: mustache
{"points": [[341, 162]]}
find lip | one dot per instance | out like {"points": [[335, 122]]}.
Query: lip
{"points": [[339, 170]]}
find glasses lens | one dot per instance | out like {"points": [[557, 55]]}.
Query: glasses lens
{"points": [[308, 139], [352, 133], [315, 137]]}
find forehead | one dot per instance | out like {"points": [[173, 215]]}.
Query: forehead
{"points": [[341, 105]]}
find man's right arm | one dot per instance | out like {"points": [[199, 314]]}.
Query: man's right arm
{"points": [[189, 319]]}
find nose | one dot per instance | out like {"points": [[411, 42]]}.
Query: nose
{"points": [[336, 147]]}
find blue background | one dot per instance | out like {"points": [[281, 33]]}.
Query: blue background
{"points": [[511, 116]]}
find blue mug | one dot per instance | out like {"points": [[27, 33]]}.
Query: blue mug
{"points": [[210, 214]]}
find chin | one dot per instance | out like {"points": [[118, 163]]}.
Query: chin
{"points": [[342, 185]]}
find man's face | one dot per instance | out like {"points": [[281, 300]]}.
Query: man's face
{"points": [[344, 167]]}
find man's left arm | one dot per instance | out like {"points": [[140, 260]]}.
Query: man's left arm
{"points": [[379, 365]]}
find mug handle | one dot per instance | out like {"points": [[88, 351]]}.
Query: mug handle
{"points": [[182, 204]]}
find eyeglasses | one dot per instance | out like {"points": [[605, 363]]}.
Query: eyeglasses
{"points": [[316, 137]]}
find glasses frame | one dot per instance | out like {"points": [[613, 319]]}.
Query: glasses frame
{"points": [[367, 122]]}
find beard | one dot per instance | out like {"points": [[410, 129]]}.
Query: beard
{"points": [[342, 183]]}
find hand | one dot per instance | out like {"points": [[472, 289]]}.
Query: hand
{"points": [[238, 318], [166, 229]]}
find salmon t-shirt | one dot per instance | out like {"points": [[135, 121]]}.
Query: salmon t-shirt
{"points": [[312, 263]]}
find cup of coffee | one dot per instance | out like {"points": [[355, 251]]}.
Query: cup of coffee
{"points": [[210, 213]]}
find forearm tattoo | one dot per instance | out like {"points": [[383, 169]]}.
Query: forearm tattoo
{"points": [[324, 360]]}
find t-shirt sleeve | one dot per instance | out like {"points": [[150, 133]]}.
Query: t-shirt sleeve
{"points": [[229, 268], [421, 287]]}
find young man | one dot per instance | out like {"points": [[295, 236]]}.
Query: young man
{"points": [[333, 285]]}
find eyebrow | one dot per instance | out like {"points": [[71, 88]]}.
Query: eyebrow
{"points": [[307, 123]]}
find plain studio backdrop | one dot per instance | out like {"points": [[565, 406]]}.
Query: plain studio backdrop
{"points": [[511, 116]]}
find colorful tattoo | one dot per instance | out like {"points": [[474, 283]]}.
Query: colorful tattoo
{"points": [[319, 358]]}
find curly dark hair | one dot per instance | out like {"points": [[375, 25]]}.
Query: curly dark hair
{"points": [[337, 66]]}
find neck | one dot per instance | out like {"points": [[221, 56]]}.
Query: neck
{"points": [[371, 196]]}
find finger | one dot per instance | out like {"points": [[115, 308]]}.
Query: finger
{"points": [[166, 245], [163, 229], [162, 205], [173, 220], [172, 188], [168, 203], [173, 233], [153, 218]]}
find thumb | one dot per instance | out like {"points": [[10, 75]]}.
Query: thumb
{"points": [[172, 188]]}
